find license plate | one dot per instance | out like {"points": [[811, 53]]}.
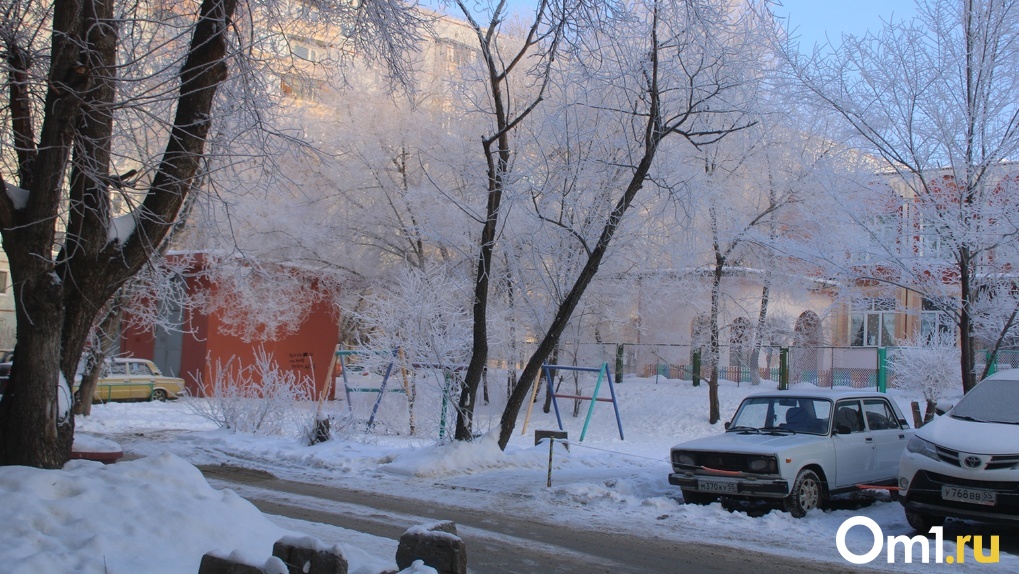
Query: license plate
{"points": [[716, 486], [970, 495]]}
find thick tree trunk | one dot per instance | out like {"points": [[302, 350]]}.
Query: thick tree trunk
{"points": [[57, 301], [36, 428], [714, 410]]}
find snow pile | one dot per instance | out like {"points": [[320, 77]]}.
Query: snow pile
{"points": [[155, 515]]}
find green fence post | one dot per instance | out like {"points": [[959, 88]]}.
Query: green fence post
{"points": [[882, 369], [992, 360], [695, 371], [783, 369]]}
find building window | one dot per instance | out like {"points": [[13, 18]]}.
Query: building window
{"points": [[308, 49], [872, 322], [936, 324], [3, 282], [306, 53], [300, 87], [882, 240]]}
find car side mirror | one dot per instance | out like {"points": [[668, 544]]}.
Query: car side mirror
{"points": [[727, 424], [843, 429]]}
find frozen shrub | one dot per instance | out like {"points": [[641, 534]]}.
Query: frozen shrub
{"points": [[261, 398]]}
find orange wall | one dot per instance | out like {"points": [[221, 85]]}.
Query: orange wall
{"points": [[309, 351]]}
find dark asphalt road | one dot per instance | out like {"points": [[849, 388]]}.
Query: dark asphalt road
{"points": [[499, 543]]}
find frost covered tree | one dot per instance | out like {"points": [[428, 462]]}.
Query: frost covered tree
{"points": [[928, 365], [753, 194], [419, 322], [661, 78], [512, 83], [934, 99], [114, 114]]}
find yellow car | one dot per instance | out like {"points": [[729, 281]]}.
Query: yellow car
{"points": [[134, 380]]}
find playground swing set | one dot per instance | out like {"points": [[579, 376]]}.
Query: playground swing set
{"points": [[383, 387], [603, 375], [341, 355]]}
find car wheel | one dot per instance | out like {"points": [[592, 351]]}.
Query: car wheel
{"points": [[922, 522], [158, 395], [694, 497], [807, 493]]}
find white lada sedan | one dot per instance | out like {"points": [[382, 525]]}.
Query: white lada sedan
{"points": [[799, 447]]}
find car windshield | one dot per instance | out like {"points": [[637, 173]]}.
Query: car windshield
{"points": [[993, 401], [783, 414]]}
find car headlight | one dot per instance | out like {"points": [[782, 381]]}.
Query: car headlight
{"points": [[685, 459], [763, 464], [919, 446]]}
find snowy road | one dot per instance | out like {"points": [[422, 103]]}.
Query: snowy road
{"points": [[499, 542]]}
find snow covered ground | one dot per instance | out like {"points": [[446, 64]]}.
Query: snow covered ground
{"points": [[158, 514]]}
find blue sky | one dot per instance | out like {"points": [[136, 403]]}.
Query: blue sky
{"points": [[814, 19]]}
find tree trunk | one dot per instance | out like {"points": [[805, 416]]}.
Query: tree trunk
{"points": [[967, 353], [762, 318], [572, 299], [930, 412], [57, 301], [106, 340], [714, 410], [36, 428], [550, 385]]}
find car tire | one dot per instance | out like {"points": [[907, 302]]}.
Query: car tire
{"points": [[158, 395], [699, 498], [922, 522], [807, 494]]}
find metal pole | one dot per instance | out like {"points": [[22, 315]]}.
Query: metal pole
{"points": [[551, 443]]}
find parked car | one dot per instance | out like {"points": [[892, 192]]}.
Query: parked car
{"points": [[796, 447], [965, 463], [133, 380]]}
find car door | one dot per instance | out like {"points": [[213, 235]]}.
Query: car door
{"points": [[889, 438], [142, 380], [113, 385], [854, 447]]}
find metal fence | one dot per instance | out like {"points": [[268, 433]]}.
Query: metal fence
{"points": [[822, 366], [856, 367]]}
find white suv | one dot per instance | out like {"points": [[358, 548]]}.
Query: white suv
{"points": [[965, 463]]}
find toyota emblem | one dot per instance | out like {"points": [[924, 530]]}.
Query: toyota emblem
{"points": [[972, 461]]}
